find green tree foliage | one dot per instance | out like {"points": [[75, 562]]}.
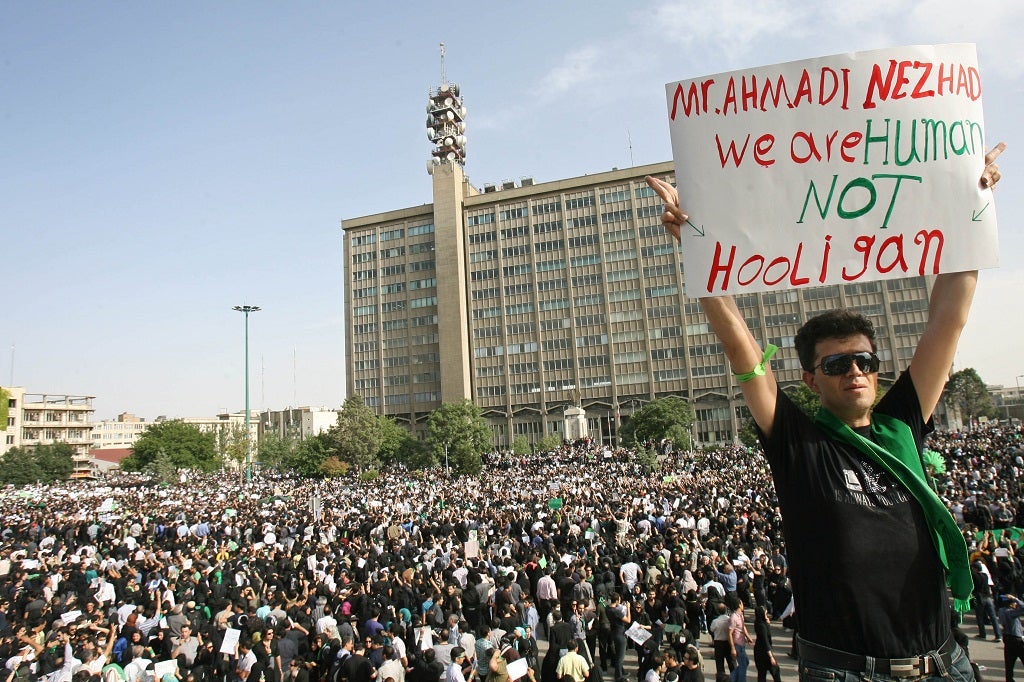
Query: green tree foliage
{"points": [[20, 467], [273, 450], [748, 433], [647, 457], [56, 461], [658, 419], [803, 397], [398, 446], [967, 391], [5, 399], [549, 442], [521, 445], [333, 467], [185, 445], [42, 463], [466, 433], [162, 468], [237, 449], [358, 435], [309, 455]]}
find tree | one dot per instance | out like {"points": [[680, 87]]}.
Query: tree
{"points": [[748, 432], [398, 446], [521, 446], [237, 447], [20, 467], [5, 399], [358, 435], [461, 428], [662, 418], [45, 463], [549, 442], [56, 461], [803, 397], [273, 450], [162, 469], [967, 391], [185, 445], [332, 467], [309, 455]]}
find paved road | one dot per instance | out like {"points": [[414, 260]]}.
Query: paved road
{"points": [[988, 654]]}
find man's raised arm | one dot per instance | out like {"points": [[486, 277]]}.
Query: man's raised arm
{"points": [[741, 348], [947, 316]]}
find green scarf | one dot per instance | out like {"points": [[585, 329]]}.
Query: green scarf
{"points": [[894, 449]]}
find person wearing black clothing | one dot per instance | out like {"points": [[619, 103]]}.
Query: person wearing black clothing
{"points": [[764, 656], [869, 543], [691, 668], [359, 668], [558, 641], [620, 617], [984, 600]]}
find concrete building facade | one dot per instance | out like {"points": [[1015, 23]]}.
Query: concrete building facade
{"points": [[297, 422], [46, 418], [118, 433], [530, 298]]}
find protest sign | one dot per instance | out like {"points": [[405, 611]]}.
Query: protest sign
{"points": [[841, 169], [230, 642], [637, 633]]}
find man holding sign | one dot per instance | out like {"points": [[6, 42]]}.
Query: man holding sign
{"points": [[870, 545]]}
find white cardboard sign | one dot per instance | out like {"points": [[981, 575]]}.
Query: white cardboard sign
{"points": [[840, 169]]}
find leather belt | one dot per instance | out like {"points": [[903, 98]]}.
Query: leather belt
{"points": [[914, 666]]}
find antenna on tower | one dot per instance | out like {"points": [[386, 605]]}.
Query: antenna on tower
{"points": [[444, 77], [446, 122], [629, 143]]}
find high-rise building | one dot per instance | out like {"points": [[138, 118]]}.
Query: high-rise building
{"points": [[528, 298]]}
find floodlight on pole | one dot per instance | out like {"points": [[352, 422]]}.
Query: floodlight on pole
{"points": [[246, 309]]}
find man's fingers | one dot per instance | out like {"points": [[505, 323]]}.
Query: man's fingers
{"points": [[995, 152], [666, 191]]}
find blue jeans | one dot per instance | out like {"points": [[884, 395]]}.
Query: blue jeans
{"points": [[959, 671], [619, 648], [985, 609], [739, 673]]}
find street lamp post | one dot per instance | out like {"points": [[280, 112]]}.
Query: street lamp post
{"points": [[246, 309]]}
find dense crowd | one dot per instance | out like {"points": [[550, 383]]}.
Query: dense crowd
{"points": [[417, 576]]}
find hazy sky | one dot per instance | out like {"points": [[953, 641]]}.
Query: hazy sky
{"points": [[163, 162]]}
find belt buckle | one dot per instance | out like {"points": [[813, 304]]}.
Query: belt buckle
{"points": [[906, 667]]}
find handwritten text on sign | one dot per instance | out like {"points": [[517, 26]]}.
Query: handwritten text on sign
{"points": [[840, 169]]}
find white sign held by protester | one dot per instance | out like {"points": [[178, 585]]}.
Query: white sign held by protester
{"points": [[637, 633], [230, 641], [835, 170]]}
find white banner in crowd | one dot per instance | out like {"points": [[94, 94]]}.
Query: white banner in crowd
{"points": [[841, 169]]}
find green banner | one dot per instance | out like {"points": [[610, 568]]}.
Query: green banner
{"points": [[1013, 533], [555, 503]]}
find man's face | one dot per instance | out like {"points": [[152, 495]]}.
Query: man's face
{"points": [[849, 396]]}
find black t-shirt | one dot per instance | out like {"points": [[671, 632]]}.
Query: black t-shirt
{"points": [[865, 573]]}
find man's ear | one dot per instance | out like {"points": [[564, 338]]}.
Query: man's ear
{"points": [[811, 381]]}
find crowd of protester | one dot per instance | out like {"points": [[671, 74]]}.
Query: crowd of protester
{"points": [[417, 576]]}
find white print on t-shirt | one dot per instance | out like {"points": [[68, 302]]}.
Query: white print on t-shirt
{"points": [[860, 489], [871, 479], [852, 482]]}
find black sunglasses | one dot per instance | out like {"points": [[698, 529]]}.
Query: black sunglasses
{"points": [[840, 363]]}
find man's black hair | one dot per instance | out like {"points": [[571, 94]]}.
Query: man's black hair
{"points": [[834, 324]]}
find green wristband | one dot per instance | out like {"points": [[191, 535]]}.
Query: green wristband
{"points": [[759, 370]]}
